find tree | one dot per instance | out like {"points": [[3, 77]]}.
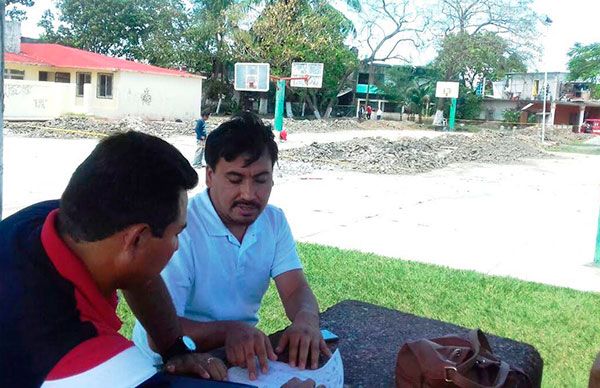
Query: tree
{"points": [[147, 30], [513, 20], [413, 87], [389, 26], [584, 64], [14, 11], [468, 58], [314, 32]]}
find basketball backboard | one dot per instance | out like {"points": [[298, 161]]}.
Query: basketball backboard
{"points": [[446, 90], [312, 72], [252, 77]]}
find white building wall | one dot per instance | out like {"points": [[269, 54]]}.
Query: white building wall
{"points": [[103, 106], [522, 84], [494, 109], [33, 100], [159, 97], [149, 96]]}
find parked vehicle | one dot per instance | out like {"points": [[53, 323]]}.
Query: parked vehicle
{"points": [[591, 126]]}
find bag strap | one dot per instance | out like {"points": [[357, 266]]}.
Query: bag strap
{"points": [[480, 348], [455, 377]]}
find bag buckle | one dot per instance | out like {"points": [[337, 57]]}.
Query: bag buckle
{"points": [[447, 376]]}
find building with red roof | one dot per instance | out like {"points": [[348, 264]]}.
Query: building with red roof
{"points": [[45, 80]]}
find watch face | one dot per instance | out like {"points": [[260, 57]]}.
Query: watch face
{"points": [[189, 343]]}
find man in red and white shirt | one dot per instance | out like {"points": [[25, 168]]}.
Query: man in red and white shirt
{"points": [[61, 263]]}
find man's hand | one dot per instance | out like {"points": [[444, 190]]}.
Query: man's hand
{"points": [[303, 337], [200, 364], [243, 343]]}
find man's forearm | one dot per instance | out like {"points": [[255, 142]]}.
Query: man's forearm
{"points": [[153, 307], [302, 302], [208, 335]]}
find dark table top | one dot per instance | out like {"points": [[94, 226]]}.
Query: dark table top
{"points": [[371, 336]]}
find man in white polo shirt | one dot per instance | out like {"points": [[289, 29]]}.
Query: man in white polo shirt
{"points": [[233, 245]]}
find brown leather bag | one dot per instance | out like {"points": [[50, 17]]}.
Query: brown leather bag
{"points": [[454, 361]]}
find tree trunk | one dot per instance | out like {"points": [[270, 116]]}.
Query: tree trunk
{"points": [[328, 112], [312, 103], [329, 108]]}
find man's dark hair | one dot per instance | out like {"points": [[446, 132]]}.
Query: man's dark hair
{"points": [[245, 134], [129, 178], [205, 114]]}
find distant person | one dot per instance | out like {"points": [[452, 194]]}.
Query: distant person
{"points": [[379, 113], [369, 112], [235, 243], [61, 263], [200, 139], [361, 112]]}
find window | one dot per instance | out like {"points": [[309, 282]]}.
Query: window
{"points": [[536, 87], [14, 74], [363, 78], [105, 83], [82, 78], [62, 77], [43, 76]]}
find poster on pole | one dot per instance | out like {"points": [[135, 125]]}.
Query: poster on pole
{"points": [[312, 74], [446, 90]]}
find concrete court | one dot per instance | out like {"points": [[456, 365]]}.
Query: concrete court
{"points": [[534, 221]]}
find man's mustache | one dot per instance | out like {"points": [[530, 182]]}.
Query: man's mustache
{"points": [[246, 203]]}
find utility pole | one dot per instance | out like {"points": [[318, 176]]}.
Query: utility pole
{"points": [[544, 106], [2, 7]]}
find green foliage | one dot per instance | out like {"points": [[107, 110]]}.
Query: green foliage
{"points": [[14, 9], [468, 57], [511, 116], [148, 30], [413, 87], [562, 324], [209, 38], [468, 104], [584, 62], [314, 32]]}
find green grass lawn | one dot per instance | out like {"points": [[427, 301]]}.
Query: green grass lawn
{"points": [[564, 325], [578, 148]]}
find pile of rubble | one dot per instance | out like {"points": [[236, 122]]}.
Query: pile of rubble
{"points": [[556, 136], [373, 155], [84, 127], [80, 126], [407, 156], [345, 124]]}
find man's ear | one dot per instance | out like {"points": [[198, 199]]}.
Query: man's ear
{"points": [[209, 176], [135, 237]]}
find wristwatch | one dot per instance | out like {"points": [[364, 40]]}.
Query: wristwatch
{"points": [[182, 345]]}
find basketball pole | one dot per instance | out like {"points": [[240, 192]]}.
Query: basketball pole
{"points": [[452, 114], [279, 105], [280, 99]]}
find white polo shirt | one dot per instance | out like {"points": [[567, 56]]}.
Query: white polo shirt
{"points": [[212, 277]]}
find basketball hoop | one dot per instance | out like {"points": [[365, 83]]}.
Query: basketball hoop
{"points": [[252, 77]]}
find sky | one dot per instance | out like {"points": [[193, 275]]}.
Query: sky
{"points": [[572, 21]]}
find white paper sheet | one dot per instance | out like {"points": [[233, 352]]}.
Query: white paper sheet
{"points": [[331, 375]]}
